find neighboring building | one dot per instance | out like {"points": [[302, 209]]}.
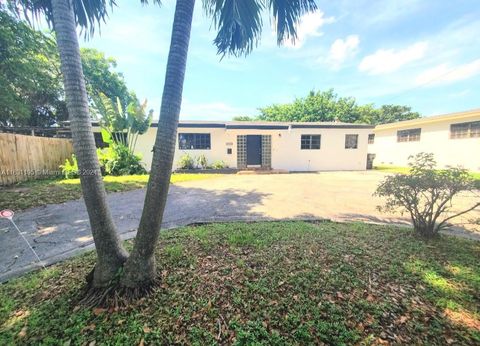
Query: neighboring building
{"points": [[453, 138], [269, 145]]}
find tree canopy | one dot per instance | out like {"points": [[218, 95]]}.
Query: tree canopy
{"points": [[243, 118], [101, 77], [31, 86], [30, 79], [328, 106]]}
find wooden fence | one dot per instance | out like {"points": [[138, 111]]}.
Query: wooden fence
{"points": [[28, 157]]}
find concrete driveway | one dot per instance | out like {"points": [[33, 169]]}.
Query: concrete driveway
{"points": [[59, 231]]}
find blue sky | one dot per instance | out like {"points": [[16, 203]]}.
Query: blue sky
{"points": [[425, 54]]}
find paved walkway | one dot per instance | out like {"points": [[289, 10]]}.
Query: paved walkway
{"points": [[60, 231]]}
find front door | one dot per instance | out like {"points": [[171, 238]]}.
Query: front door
{"points": [[254, 150]]}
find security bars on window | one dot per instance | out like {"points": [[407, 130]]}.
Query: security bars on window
{"points": [[351, 141]]}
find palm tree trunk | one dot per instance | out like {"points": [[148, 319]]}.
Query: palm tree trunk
{"points": [[110, 253], [140, 267]]}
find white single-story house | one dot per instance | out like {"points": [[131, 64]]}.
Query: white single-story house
{"points": [[325, 146], [453, 138]]}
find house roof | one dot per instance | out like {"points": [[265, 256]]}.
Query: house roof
{"points": [[458, 116], [262, 125], [271, 125]]}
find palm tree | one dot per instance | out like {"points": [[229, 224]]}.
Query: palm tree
{"points": [[239, 27], [65, 15]]}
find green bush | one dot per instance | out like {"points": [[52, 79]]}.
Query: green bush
{"points": [[186, 162], [219, 165], [119, 160], [70, 168], [202, 162], [426, 193]]}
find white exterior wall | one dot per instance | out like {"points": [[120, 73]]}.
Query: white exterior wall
{"points": [[434, 138], [332, 155], [285, 144], [217, 152]]}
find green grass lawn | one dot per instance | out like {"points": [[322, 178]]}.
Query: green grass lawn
{"points": [[272, 283], [35, 193], [392, 169]]}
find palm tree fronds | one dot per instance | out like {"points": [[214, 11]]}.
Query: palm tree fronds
{"points": [[239, 24], [287, 14], [88, 13]]}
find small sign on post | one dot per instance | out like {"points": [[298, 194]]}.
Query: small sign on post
{"points": [[8, 214]]}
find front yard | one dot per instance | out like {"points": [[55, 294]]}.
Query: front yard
{"points": [[40, 192], [268, 283]]}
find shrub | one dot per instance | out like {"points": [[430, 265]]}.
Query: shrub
{"points": [[119, 160], [186, 162], [426, 193], [219, 165], [70, 168], [202, 162]]}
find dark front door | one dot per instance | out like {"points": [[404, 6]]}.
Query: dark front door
{"points": [[254, 150]]}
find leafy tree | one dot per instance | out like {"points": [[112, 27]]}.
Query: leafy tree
{"points": [[31, 85], [30, 78], [426, 193], [101, 77], [393, 113], [243, 118], [328, 106]]}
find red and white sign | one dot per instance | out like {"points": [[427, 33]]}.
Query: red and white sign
{"points": [[6, 214]]}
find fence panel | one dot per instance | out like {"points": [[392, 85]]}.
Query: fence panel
{"points": [[28, 157]]}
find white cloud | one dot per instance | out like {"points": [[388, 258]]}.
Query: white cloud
{"points": [[309, 26], [442, 74], [340, 50], [390, 60]]}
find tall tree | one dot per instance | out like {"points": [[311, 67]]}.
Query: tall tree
{"points": [[66, 15], [110, 252], [239, 24]]}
